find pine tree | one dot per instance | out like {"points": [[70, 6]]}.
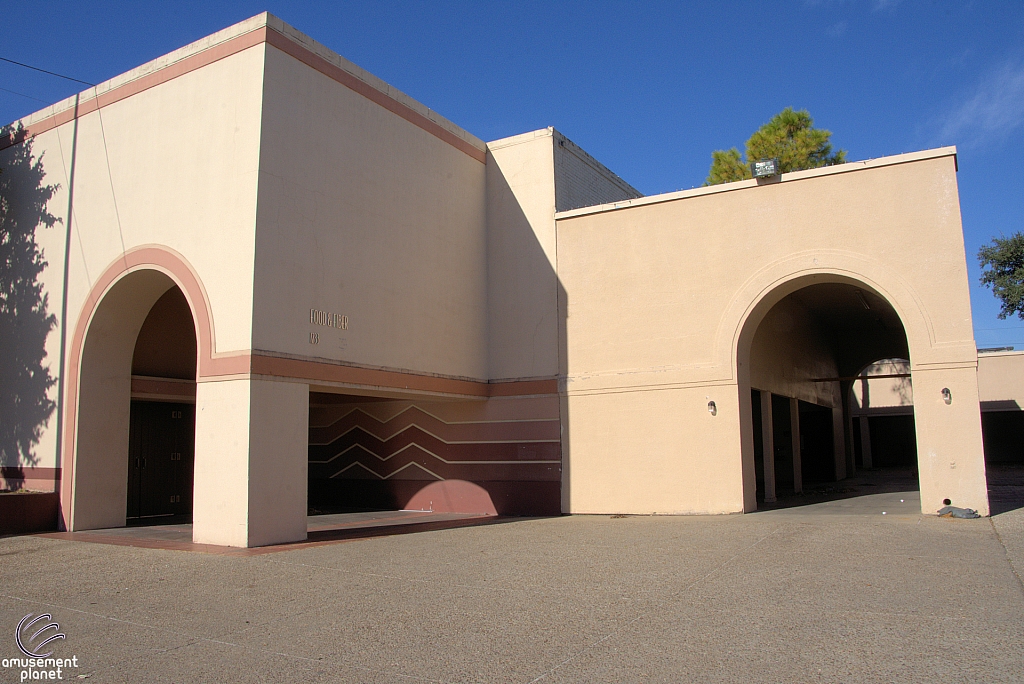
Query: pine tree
{"points": [[790, 137]]}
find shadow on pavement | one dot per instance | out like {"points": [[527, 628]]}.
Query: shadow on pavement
{"points": [[863, 483], [1005, 488], [321, 530]]}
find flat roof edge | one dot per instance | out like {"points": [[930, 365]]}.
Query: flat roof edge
{"points": [[150, 67], [520, 138], [1002, 352], [374, 82], [848, 167], [241, 28]]}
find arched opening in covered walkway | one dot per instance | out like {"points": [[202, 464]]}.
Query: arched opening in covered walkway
{"points": [[805, 355]]}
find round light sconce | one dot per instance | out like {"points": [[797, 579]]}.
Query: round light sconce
{"points": [[712, 409], [947, 396]]}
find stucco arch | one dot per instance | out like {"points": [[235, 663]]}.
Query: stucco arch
{"points": [[769, 285], [98, 390], [768, 292], [950, 459]]}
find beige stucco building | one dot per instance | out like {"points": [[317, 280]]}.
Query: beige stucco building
{"points": [[359, 303]]}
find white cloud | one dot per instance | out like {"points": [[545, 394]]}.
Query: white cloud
{"points": [[991, 114]]}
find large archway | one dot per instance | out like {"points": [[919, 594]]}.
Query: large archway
{"points": [[102, 401], [801, 352]]}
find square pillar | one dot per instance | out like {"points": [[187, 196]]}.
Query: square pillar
{"points": [[768, 443], [839, 442], [950, 454], [251, 462], [865, 442], [794, 423]]}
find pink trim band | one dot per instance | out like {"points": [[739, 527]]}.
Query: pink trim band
{"points": [[231, 47]]}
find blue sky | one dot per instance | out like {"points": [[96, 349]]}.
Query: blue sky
{"points": [[649, 88]]}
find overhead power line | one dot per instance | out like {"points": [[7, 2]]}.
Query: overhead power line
{"points": [[14, 92], [51, 73]]}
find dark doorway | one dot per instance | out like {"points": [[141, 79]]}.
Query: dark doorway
{"points": [[893, 441], [161, 457], [782, 428], [1003, 432], [755, 406], [161, 446], [817, 448]]}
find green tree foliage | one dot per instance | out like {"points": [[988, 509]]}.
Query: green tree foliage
{"points": [[25, 382], [790, 137], [1002, 269], [726, 167]]}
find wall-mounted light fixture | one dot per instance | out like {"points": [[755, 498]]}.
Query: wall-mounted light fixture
{"points": [[712, 409], [947, 396]]}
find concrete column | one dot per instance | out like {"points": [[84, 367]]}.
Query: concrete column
{"points": [[950, 455], [794, 423], [865, 442], [839, 442], [251, 462], [768, 444], [846, 392], [851, 451]]}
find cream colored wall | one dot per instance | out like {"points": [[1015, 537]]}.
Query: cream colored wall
{"points": [[522, 285], [250, 469], [1001, 379], [788, 351], [657, 293], [654, 451], [173, 165], [46, 148], [529, 178], [363, 214], [884, 393], [686, 267]]}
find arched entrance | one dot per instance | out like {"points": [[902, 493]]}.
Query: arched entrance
{"points": [[801, 352], [140, 336], [161, 451]]}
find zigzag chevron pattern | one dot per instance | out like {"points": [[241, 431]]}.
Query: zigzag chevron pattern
{"points": [[415, 445], [451, 433]]}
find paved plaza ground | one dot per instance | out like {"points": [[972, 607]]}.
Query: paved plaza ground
{"points": [[829, 592]]}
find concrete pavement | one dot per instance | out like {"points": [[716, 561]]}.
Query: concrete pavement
{"points": [[834, 592]]}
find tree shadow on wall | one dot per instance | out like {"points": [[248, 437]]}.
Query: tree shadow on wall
{"points": [[25, 405]]}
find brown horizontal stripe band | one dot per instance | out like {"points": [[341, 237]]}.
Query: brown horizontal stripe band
{"points": [[174, 388], [319, 371]]}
